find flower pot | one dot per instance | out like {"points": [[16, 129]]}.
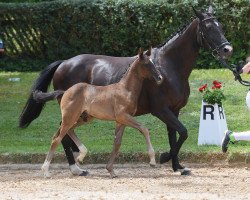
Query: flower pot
{"points": [[212, 124]]}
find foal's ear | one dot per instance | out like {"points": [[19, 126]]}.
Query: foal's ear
{"points": [[148, 52], [140, 53], [198, 14]]}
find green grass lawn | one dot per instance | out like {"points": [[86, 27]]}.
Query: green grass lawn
{"points": [[98, 136]]}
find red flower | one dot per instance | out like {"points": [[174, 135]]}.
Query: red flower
{"points": [[202, 88], [216, 82], [212, 96], [217, 86]]}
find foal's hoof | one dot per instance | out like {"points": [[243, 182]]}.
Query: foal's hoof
{"points": [[185, 171], [152, 165], [84, 173], [113, 175], [46, 174], [165, 157]]}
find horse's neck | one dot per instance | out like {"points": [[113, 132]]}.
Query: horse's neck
{"points": [[182, 49], [132, 80]]}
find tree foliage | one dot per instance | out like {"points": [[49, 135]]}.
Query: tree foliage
{"points": [[61, 29]]}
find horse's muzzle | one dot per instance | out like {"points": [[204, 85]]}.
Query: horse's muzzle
{"points": [[226, 51]]}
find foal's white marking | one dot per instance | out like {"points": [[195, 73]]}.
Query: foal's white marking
{"points": [[45, 169], [83, 151]]}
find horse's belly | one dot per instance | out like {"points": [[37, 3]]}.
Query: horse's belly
{"points": [[102, 110]]}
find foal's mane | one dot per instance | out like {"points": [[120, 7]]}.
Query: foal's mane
{"points": [[176, 34]]}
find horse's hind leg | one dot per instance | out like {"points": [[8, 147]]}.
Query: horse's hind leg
{"points": [[116, 146], [130, 121]]}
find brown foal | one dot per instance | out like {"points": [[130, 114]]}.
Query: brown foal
{"points": [[116, 102]]}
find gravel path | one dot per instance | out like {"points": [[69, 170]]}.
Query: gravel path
{"points": [[135, 181]]}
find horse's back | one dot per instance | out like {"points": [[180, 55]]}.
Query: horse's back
{"points": [[92, 69]]}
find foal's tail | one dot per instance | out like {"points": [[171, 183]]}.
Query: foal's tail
{"points": [[32, 109], [43, 97]]}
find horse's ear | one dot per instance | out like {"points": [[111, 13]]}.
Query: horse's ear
{"points": [[148, 52], [140, 53], [210, 10], [198, 14]]}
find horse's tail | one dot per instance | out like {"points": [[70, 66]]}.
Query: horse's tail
{"points": [[32, 109], [42, 97]]}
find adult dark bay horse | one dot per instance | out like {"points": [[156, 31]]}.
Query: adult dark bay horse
{"points": [[176, 58]]}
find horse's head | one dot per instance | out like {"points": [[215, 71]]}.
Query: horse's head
{"points": [[147, 67], [210, 34]]}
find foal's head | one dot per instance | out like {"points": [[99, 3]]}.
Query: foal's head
{"points": [[211, 34], [147, 68]]}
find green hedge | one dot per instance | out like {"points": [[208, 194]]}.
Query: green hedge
{"points": [[61, 29]]}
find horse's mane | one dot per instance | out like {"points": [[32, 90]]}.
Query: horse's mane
{"points": [[176, 34], [171, 38], [126, 70]]}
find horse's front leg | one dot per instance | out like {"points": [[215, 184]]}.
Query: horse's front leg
{"points": [[117, 143], [173, 124], [175, 159]]}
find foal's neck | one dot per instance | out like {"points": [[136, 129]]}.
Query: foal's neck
{"points": [[132, 80]]}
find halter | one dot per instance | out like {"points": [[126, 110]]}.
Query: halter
{"points": [[209, 41], [216, 49]]}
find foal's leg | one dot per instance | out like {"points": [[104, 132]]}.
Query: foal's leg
{"points": [[82, 149], [57, 138], [130, 121], [116, 146], [45, 166]]}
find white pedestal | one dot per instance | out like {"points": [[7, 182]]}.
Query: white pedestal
{"points": [[212, 124]]}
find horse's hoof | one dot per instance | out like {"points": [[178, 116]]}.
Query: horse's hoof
{"points": [[165, 157], [185, 171], [84, 173]]}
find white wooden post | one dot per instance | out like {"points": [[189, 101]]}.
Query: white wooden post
{"points": [[212, 124]]}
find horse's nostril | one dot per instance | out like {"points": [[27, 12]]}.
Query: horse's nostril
{"points": [[226, 50], [160, 80]]}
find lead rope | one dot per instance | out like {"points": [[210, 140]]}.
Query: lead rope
{"points": [[237, 77]]}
